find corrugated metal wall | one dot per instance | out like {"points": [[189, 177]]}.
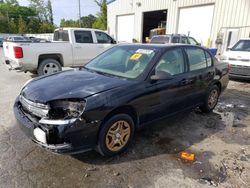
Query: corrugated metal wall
{"points": [[227, 14]]}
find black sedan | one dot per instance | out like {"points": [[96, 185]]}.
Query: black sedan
{"points": [[101, 105]]}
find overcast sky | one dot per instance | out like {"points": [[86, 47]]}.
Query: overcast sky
{"points": [[68, 9]]}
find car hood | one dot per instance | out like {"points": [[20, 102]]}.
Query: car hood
{"points": [[237, 54], [68, 85]]}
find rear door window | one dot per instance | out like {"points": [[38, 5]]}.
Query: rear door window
{"points": [[103, 38], [192, 41], [197, 59], [184, 40], [83, 37]]}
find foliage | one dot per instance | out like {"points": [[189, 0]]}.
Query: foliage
{"points": [[50, 12], [101, 21], [21, 25], [38, 18], [12, 2], [87, 21], [69, 23]]}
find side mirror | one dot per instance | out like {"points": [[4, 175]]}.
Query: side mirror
{"points": [[161, 75], [229, 48], [198, 44], [113, 41]]}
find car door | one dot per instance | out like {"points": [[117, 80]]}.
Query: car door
{"points": [[201, 71], [104, 41], [84, 48], [170, 96]]}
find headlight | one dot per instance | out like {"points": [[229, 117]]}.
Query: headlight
{"points": [[64, 109]]}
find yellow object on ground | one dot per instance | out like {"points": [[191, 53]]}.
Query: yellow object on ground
{"points": [[187, 156]]}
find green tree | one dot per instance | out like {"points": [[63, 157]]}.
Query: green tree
{"points": [[101, 21], [50, 12], [9, 15], [69, 23], [33, 25], [12, 26], [46, 27], [21, 25], [87, 21], [4, 23], [12, 2], [41, 8]]}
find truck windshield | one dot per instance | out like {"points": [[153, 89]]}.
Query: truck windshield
{"points": [[123, 61], [242, 45], [61, 35]]}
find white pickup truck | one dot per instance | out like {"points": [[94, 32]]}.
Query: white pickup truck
{"points": [[71, 47], [238, 57]]}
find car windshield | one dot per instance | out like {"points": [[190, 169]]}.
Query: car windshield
{"points": [[123, 61], [160, 40], [242, 45]]}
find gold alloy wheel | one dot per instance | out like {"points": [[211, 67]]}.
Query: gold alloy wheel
{"points": [[212, 99], [118, 135]]}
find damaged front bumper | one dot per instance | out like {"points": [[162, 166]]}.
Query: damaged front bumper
{"points": [[65, 137]]}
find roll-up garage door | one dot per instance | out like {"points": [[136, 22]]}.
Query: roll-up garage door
{"points": [[197, 22], [125, 28]]}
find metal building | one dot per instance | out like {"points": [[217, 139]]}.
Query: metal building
{"points": [[211, 22]]}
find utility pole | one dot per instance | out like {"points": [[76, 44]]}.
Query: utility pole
{"points": [[79, 3]]}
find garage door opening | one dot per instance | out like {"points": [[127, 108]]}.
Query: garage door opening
{"points": [[153, 20]]}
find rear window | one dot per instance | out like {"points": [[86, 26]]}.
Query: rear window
{"points": [[160, 40], [61, 35]]}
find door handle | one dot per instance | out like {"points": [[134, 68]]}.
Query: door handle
{"points": [[78, 47], [210, 74], [186, 81]]}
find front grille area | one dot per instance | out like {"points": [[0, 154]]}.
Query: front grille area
{"points": [[241, 70], [37, 109], [243, 60]]}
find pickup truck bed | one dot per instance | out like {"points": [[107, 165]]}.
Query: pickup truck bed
{"points": [[71, 47]]}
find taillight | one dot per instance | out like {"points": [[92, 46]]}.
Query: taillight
{"points": [[18, 51]]}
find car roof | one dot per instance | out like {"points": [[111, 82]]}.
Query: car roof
{"points": [[79, 29], [170, 35], [157, 46], [245, 39]]}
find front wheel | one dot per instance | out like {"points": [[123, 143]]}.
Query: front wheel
{"points": [[116, 135], [211, 99], [49, 66]]}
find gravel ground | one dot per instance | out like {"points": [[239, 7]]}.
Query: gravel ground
{"points": [[220, 142]]}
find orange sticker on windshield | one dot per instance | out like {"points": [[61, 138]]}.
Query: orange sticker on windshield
{"points": [[135, 56]]}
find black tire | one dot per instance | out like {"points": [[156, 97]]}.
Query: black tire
{"points": [[52, 63], [102, 146], [208, 106]]}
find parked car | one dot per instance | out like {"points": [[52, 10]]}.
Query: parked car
{"points": [[173, 38], [239, 58], [1, 42], [71, 47], [18, 39], [128, 86]]}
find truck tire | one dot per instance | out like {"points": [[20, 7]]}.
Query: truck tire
{"points": [[116, 135], [49, 66], [211, 99]]}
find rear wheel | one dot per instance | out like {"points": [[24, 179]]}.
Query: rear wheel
{"points": [[116, 135], [211, 99], [49, 66]]}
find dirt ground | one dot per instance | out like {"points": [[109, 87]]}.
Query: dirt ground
{"points": [[220, 142]]}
